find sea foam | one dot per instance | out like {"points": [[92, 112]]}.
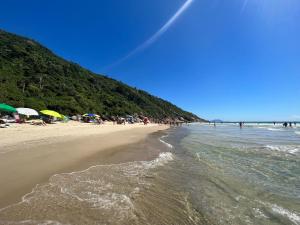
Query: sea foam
{"points": [[274, 129], [105, 189], [294, 217], [283, 148], [32, 222], [164, 142]]}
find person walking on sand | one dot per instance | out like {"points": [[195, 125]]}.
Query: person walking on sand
{"points": [[145, 120]]}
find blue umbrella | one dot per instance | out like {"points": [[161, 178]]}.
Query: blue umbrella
{"points": [[90, 115]]}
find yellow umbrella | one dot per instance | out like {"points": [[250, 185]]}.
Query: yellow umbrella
{"points": [[51, 113]]}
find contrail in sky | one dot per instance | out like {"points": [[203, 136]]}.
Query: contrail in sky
{"points": [[244, 6], [156, 35]]}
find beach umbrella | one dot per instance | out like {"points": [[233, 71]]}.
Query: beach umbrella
{"points": [[90, 115], [7, 108], [27, 112], [51, 113]]}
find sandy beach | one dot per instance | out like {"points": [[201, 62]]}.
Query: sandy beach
{"points": [[29, 154]]}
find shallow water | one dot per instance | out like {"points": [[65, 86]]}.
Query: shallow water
{"points": [[134, 192], [249, 175], [201, 175]]}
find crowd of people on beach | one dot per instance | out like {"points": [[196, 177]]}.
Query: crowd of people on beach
{"points": [[9, 115], [9, 118]]}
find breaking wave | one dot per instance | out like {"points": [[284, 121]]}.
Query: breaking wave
{"points": [[269, 128], [274, 129], [283, 148], [100, 193], [292, 216]]}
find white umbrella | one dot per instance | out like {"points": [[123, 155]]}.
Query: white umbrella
{"points": [[27, 112]]}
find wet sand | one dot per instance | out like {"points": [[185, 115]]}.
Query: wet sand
{"points": [[29, 155]]}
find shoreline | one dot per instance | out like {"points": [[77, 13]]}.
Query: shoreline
{"points": [[31, 157]]}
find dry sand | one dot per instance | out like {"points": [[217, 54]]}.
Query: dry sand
{"points": [[29, 154]]}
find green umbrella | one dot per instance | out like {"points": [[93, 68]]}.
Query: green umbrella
{"points": [[7, 108]]}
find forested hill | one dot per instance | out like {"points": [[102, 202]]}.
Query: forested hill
{"points": [[32, 76]]}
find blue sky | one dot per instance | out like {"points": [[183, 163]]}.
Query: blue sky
{"points": [[228, 59]]}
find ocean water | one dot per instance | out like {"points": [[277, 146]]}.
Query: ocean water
{"points": [[200, 175], [249, 175]]}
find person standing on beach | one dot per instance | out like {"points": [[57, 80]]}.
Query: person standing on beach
{"points": [[241, 125]]}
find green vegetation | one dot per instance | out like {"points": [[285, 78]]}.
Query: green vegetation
{"points": [[32, 76]]}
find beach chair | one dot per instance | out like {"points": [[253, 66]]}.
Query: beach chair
{"points": [[3, 124]]}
